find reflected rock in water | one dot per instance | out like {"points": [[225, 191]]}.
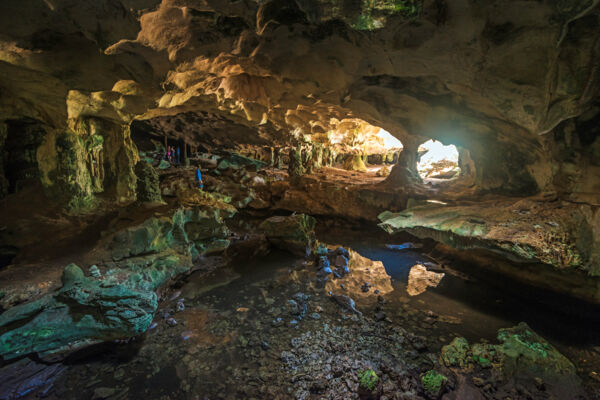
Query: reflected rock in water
{"points": [[367, 278], [419, 279], [404, 246]]}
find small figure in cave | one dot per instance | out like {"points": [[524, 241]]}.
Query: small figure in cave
{"points": [[169, 157], [178, 152], [199, 178]]}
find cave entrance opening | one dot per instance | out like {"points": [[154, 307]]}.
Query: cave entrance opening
{"points": [[437, 161], [381, 150]]}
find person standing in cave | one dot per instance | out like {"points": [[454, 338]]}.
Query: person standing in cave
{"points": [[199, 178], [178, 152]]}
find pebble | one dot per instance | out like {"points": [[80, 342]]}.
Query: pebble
{"points": [[180, 306], [323, 262], [171, 321], [186, 335], [152, 326], [315, 316]]}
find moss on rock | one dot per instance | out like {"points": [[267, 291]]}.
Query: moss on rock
{"points": [[455, 354], [433, 382], [72, 179], [368, 380]]}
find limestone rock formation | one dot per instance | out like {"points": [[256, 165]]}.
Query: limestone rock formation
{"points": [[325, 72], [522, 355], [84, 312], [294, 233], [147, 187], [121, 302]]}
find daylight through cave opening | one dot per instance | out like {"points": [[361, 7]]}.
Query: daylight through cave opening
{"points": [[437, 161]]}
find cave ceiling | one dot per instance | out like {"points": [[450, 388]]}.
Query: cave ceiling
{"points": [[481, 75]]}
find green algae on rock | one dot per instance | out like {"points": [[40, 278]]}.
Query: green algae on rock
{"points": [[455, 353], [84, 312], [120, 303], [522, 355], [525, 353], [433, 383], [368, 380]]}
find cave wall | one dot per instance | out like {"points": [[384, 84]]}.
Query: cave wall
{"points": [[496, 78]]}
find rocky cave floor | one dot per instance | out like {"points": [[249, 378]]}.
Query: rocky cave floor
{"points": [[266, 326]]}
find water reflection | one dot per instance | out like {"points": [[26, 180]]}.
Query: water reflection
{"points": [[419, 279]]}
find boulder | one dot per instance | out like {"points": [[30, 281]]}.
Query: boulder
{"points": [[524, 353], [522, 357], [294, 233], [455, 354]]}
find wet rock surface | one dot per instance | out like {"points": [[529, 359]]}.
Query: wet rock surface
{"points": [[273, 331], [119, 301], [294, 233]]}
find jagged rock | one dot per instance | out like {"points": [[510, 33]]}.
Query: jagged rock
{"points": [[102, 393], [122, 303], [522, 356], [295, 167], [455, 354], [73, 182], [294, 233], [85, 311], [524, 353], [484, 226], [147, 188]]}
